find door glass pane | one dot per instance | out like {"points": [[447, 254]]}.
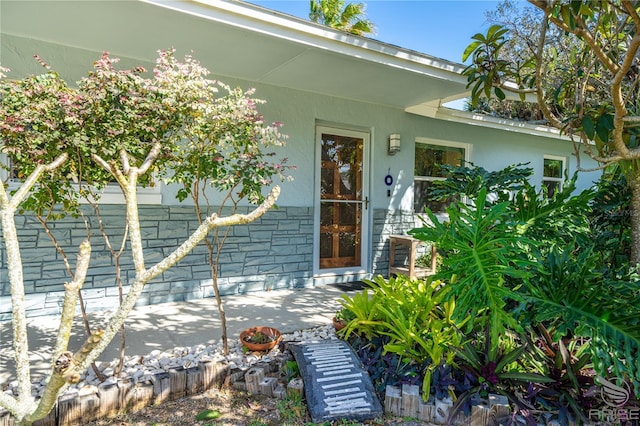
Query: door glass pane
{"points": [[348, 214], [341, 167], [340, 233], [339, 214], [348, 244], [326, 185], [326, 245]]}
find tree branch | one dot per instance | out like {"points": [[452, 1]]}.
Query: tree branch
{"points": [[152, 156], [138, 285], [33, 178], [580, 31], [630, 9], [25, 402], [546, 111], [115, 172], [125, 161], [618, 98], [70, 298]]}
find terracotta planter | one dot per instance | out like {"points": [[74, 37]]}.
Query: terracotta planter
{"points": [[338, 325], [273, 334]]}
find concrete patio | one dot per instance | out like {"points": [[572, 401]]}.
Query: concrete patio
{"points": [[169, 325]]}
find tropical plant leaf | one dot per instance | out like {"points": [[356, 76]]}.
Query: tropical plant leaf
{"points": [[607, 310], [482, 250]]}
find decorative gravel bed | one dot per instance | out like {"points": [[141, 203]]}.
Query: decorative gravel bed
{"points": [[141, 368]]}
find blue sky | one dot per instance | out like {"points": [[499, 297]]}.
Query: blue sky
{"points": [[439, 28]]}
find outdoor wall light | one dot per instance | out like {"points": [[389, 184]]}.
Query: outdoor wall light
{"points": [[394, 143]]}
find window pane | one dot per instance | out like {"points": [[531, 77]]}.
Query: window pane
{"points": [[552, 187], [428, 162], [429, 158], [421, 198], [552, 168]]}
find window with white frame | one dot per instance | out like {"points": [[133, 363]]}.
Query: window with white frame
{"points": [[111, 194], [429, 157], [553, 173]]}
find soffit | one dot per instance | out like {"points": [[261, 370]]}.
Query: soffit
{"points": [[231, 39]]}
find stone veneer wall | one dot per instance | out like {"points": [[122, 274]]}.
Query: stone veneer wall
{"points": [[385, 223], [274, 252]]}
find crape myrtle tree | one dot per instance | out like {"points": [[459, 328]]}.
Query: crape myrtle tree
{"points": [[591, 95], [226, 154], [116, 125]]}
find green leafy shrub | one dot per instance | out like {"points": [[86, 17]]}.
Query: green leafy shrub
{"points": [[610, 220], [365, 315], [495, 367], [531, 261], [344, 315], [469, 180], [567, 361], [413, 315], [483, 263], [290, 370]]}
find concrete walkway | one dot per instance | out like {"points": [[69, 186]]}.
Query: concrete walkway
{"points": [[169, 325]]}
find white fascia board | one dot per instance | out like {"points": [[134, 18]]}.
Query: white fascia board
{"points": [[488, 121], [510, 95], [261, 20]]}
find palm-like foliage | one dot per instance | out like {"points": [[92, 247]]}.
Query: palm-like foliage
{"points": [[412, 314], [335, 14], [559, 219]]}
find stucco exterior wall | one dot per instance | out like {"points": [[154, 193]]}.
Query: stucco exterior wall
{"points": [[300, 112]]}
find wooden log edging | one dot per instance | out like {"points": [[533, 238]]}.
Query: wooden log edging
{"points": [[112, 398], [406, 401]]}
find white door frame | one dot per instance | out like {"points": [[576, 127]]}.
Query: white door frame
{"points": [[366, 201]]}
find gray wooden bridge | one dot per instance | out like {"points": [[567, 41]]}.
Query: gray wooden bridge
{"points": [[335, 384]]}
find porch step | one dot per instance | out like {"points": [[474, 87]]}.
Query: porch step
{"points": [[335, 384]]}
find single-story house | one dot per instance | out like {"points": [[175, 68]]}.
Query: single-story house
{"points": [[336, 94]]}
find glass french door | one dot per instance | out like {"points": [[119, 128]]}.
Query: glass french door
{"points": [[343, 200]]}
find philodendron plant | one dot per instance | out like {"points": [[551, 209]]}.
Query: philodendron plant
{"points": [[529, 261]]}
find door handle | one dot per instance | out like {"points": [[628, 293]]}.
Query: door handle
{"points": [[366, 203]]}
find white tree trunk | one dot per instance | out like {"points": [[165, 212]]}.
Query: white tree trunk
{"points": [[67, 367]]}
